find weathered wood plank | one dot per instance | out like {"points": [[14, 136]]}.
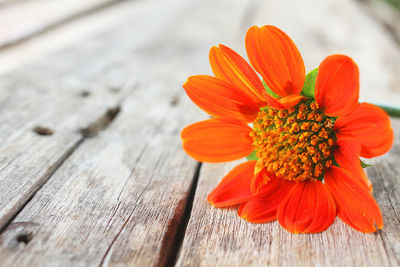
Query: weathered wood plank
{"points": [[79, 88], [221, 237], [69, 34], [387, 14], [386, 173], [7, 2], [25, 19], [27, 157], [119, 198]]}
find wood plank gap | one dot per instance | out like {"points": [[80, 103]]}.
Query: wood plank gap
{"points": [[173, 248], [385, 248], [92, 130], [59, 23], [46, 177], [176, 228]]}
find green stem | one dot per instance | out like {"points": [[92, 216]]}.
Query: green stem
{"points": [[393, 111]]}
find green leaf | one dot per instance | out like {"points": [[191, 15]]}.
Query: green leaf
{"points": [[309, 84], [269, 91], [252, 156], [364, 165]]}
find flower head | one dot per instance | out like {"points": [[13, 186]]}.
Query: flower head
{"points": [[307, 133]]}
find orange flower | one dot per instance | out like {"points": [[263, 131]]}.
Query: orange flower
{"points": [[307, 169]]}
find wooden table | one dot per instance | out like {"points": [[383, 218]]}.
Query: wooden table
{"points": [[91, 107]]}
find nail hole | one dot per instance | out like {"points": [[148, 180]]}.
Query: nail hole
{"points": [[112, 112], [100, 124], [43, 130], [85, 93], [174, 101], [24, 238]]}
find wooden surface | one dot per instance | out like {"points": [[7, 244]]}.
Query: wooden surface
{"points": [[22, 20], [91, 167], [240, 243]]}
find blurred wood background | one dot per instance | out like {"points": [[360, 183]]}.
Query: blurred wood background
{"points": [[91, 106]]}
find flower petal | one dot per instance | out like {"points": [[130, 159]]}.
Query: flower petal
{"points": [[263, 208], [308, 208], [220, 99], [325, 210], [273, 102], [374, 151], [337, 85], [263, 182], [290, 101], [347, 152], [274, 55], [355, 205], [234, 188], [217, 140], [260, 178], [370, 125], [231, 67]]}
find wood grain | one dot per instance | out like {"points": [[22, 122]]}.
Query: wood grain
{"points": [[65, 35], [220, 237], [386, 14], [28, 103], [119, 198], [116, 192], [76, 92], [25, 19]]}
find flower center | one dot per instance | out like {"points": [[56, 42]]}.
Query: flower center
{"points": [[294, 144]]}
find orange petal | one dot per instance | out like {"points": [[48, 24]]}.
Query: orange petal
{"points": [[308, 208], [263, 208], [273, 102], [260, 178], [217, 140], [290, 101], [347, 153], [231, 67], [220, 99], [374, 151], [337, 85], [370, 125], [274, 55], [263, 182], [234, 188], [355, 205]]}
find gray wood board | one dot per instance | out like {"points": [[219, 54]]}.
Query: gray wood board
{"points": [[23, 20], [385, 13], [78, 89], [119, 198], [319, 28], [63, 36]]}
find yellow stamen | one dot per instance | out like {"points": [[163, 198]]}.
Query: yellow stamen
{"points": [[294, 144]]}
